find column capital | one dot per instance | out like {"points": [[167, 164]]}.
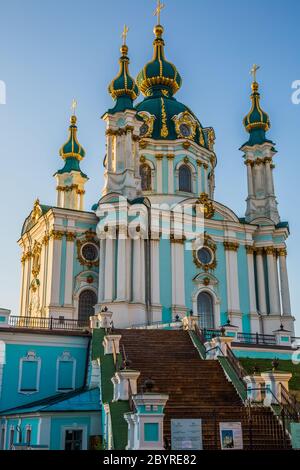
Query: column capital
{"points": [[171, 156], [231, 246], [250, 249], [282, 252], [270, 250], [159, 156], [199, 163]]}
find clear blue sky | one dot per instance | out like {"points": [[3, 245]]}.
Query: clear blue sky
{"points": [[52, 51]]}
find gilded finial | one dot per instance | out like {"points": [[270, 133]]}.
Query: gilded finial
{"points": [[73, 108], [124, 34], [160, 6], [253, 72]]}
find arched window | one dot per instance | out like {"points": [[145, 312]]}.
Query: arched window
{"points": [[145, 173], [87, 302], [205, 309], [185, 179]]}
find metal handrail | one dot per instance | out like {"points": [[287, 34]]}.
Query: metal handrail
{"points": [[47, 323], [290, 402]]}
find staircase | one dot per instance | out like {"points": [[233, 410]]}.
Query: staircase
{"points": [[197, 389]]}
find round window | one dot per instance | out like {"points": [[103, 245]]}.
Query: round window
{"points": [[89, 252], [144, 129], [204, 255], [185, 130]]}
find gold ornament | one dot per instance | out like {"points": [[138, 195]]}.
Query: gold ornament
{"points": [[207, 205]]}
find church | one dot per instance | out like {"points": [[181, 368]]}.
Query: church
{"points": [[108, 290]]}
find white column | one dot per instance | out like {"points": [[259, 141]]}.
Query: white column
{"points": [[269, 177], [273, 288], [251, 277], [205, 168], [109, 270], [109, 152], [128, 268], [56, 242], [261, 284], [178, 287], [250, 178], [155, 272], [170, 174], [23, 283], [138, 271], [284, 282], [159, 179], [68, 301], [233, 294], [121, 269], [199, 176], [101, 286]]}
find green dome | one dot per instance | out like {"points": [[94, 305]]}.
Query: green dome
{"points": [[256, 118], [159, 71], [72, 148], [123, 88], [160, 114]]}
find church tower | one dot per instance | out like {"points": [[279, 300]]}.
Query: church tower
{"points": [[70, 179], [258, 154], [122, 133]]}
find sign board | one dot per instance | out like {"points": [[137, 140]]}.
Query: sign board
{"points": [[186, 434], [295, 432], [231, 436]]}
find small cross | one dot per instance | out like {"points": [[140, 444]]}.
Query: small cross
{"points": [[159, 8], [254, 70], [74, 106], [124, 34]]}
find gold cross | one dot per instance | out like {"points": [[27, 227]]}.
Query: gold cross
{"points": [[124, 34], [159, 8], [254, 70], [74, 106]]}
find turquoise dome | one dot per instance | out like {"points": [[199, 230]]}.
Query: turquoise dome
{"points": [[123, 88], [159, 71], [257, 122], [164, 117], [72, 148]]}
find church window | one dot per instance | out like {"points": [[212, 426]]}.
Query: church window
{"points": [[73, 439], [145, 173], [11, 437], [65, 373], [90, 252], [185, 179], [87, 302], [205, 310], [2, 443], [204, 255], [29, 373], [28, 436]]}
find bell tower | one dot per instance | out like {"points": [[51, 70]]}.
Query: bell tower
{"points": [[121, 162], [258, 154]]}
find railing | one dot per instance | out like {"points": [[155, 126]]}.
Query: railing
{"points": [[156, 325], [290, 404], [256, 338], [235, 364], [44, 323]]}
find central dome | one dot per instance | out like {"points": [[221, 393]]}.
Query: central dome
{"points": [[164, 117], [159, 72]]}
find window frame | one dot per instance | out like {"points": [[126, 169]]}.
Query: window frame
{"points": [[65, 357], [30, 357], [187, 167]]}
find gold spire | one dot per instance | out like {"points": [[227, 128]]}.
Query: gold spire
{"points": [[124, 34], [254, 70], [160, 6]]}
